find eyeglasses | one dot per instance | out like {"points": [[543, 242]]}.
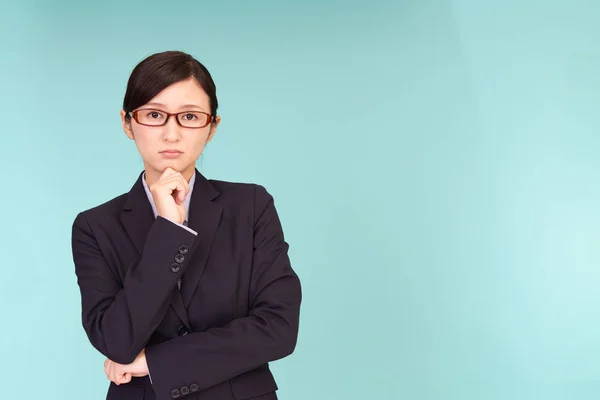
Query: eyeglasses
{"points": [[185, 119]]}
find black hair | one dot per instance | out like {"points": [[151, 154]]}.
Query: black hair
{"points": [[158, 71]]}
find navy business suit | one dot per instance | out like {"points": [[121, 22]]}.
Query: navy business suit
{"points": [[239, 303]]}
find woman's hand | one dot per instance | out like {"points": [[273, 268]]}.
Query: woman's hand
{"points": [[119, 373], [169, 195]]}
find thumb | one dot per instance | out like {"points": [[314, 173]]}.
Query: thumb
{"points": [[121, 370]]}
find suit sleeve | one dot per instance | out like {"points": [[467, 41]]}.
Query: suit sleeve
{"points": [[268, 333], [119, 317]]}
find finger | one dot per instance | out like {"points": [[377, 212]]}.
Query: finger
{"points": [[114, 374], [119, 374], [108, 368], [179, 188], [186, 188], [109, 373], [172, 182], [126, 378], [181, 195], [178, 178], [167, 172]]}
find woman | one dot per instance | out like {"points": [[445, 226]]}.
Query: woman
{"points": [[185, 282]]}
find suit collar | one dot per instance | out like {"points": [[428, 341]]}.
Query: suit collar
{"points": [[137, 197]]}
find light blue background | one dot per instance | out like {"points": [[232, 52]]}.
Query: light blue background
{"points": [[435, 165]]}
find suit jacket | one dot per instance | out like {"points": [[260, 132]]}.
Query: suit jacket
{"points": [[239, 303]]}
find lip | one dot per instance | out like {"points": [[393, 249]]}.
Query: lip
{"points": [[171, 153]]}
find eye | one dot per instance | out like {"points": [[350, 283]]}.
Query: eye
{"points": [[153, 114], [189, 116]]}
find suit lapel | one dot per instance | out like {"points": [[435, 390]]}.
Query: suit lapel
{"points": [[137, 218], [204, 216]]}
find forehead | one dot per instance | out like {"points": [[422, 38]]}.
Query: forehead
{"points": [[183, 93]]}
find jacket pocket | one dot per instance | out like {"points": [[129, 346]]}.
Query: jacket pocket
{"points": [[253, 383]]}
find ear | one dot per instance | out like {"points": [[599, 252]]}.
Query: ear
{"points": [[213, 128], [127, 125]]}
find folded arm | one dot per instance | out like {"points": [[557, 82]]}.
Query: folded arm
{"points": [[120, 318], [269, 332]]}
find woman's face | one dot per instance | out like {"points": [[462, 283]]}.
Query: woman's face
{"points": [[185, 144]]}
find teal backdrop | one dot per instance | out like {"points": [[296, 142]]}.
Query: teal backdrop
{"points": [[435, 165]]}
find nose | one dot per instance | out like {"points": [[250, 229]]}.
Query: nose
{"points": [[171, 132]]}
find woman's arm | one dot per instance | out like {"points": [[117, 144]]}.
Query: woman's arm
{"points": [[120, 318], [268, 333]]}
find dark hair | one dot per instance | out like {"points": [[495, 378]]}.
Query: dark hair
{"points": [[158, 71]]}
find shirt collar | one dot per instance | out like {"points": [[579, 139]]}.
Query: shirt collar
{"points": [[186, 203]]}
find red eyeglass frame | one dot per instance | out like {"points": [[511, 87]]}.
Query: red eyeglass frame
{"points": [[209, 118]]}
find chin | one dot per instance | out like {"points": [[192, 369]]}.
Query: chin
{"points": [[177, 165]]}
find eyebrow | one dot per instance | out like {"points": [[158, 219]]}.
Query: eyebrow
{"points": [[182, 107]]}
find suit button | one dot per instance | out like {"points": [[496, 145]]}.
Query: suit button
{"points": [[183, 249], [175, 267], [179, 258], [175, 393], [185, 390], [194, 387], [182, 331]]}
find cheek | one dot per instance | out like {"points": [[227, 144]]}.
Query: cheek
{"points": [[142, 140], [198, 141]]}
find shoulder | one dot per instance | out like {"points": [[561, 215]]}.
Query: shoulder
{"points": [[103, 211], [243, 191], [251, 197]]}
